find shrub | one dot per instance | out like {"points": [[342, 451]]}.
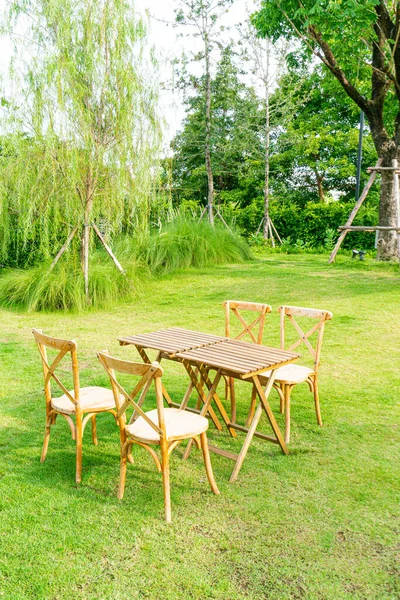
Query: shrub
{"points": [[188, 243], [183, 243], [38, 288]]}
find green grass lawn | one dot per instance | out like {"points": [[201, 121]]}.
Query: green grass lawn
{"points": [[322, 522]]}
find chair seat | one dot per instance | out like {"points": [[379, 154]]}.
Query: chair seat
{"points": [[290, 374], [91, 398], [179, 424]]}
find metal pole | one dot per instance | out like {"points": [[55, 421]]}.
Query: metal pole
{"points": [[359, 155]]}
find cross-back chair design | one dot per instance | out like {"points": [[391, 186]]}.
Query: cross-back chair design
{"points": [[289, 376], [164, 427], [253, 329], [82, 403]]}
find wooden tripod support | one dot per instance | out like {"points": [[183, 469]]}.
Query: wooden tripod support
{"points": [[271, 229], [102, 240], [349, 227], [207, 208]]}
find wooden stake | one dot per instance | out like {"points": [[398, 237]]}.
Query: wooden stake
{"points": [[63, 248], [108, 249], [355, 210], [271, 235], [276, 233]]}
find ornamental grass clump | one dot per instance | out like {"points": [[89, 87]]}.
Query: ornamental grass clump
{"points": [[188, 243], [39, 289], [183, 243]]}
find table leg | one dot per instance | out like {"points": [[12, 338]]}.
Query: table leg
{"points": [[217, 400], [264, 399], [188, 392], [263, 405], [147, 360], [204, 410], [246, 444], [198, 384]]}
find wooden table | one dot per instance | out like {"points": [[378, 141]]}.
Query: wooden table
{"points": [[202, 353]]}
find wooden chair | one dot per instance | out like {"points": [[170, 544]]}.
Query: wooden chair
{"points": [[290, 375], [164, 427], [82, 403], [254, 330]]}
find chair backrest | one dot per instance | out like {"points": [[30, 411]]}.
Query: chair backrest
{"points": [[65, 348], [321, 316], [247, 328], [147, 373]]}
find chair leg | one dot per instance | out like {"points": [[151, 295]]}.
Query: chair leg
{"points": [[165, 476], [94, 431], [46, 439], [282, 400], [287, 392], [78, 474], [207, 463], [122, 471], [316, 401]]}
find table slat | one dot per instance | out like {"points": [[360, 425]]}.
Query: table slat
{"points": [[172, 340], [234, 355]]}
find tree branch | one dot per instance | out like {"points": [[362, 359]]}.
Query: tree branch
{"points": [[330, 61], [385, 22]]}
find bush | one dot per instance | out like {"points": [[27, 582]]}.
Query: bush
{"points": [[183, 243], [188, 243], [38, 288], [316, 223]]}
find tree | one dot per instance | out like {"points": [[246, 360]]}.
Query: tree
{"points": [[236, 145], [91, 122], [359, 43], [268, 65], [203, 16], [315, 151]]}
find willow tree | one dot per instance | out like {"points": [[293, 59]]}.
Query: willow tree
{"points": [[87, 118]]}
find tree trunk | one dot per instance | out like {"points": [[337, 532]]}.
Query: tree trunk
{"points": [[85, 242], [85, 257], [266, 228], [320, 189], [210, 197], [387, 248], [387, 240]]}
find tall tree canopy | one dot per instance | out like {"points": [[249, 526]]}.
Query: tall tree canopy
{"points": [[315, 146], [204, 17], [359, 43], [236, 146]]}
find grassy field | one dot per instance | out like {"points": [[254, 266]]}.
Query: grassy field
{"points": [[321, 523]]}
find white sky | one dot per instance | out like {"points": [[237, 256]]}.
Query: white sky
{"points": [[168, 45]]}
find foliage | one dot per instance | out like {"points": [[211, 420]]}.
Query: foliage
{"points": [[84, 121], [188, 243], [358, 43], [39, 289], [236, 142], [182, 243], [315, 150], [309, 223]]}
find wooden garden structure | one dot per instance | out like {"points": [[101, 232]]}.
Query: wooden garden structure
{"points": [[349, 227]]}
